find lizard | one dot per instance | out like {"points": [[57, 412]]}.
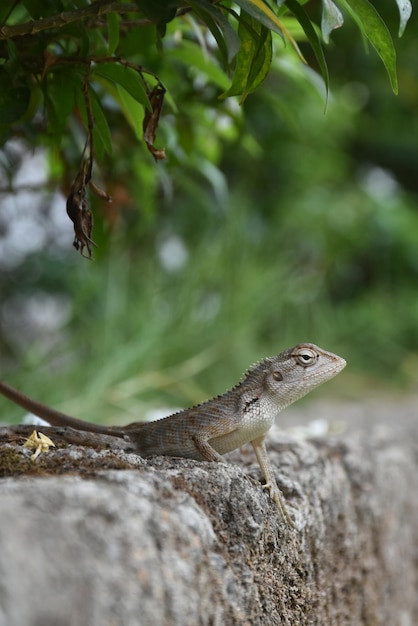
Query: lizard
{"points": [[241, 415]]}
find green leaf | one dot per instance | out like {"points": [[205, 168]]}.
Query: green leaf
{"points": [[12, 51], [112, 32], [254, 57], [101, 128], [101, 133], [303, 19], [39, 10], [132, 110], [192, 56], [127, 77], [405, 10], [13, 104], [331, 19], [60, 88], [77, 40], [14, 99], [374, 29], [216, 32], [158, 11], [213, 18], [263, 14], [5, 11]]}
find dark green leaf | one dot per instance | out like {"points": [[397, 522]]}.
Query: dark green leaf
{"points": [[14, 99], [101, 127], [158, 11], [112, 32], [78, 40], [101, 133], [263, 14], [60, 88], [132, 110], [373, 27], [192, 56], [303, 19], [216, 32], [254, 57], [38, 9], [13, 104], [128, 78], [138, 40], [262, 61], [212, 16], [12, 51], [5, 10]]}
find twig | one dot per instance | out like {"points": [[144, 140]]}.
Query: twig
{"points": [[35, 188], [66, 17], [90, 127]]}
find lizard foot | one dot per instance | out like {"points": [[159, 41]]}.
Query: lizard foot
{"points": [[276, 496]]}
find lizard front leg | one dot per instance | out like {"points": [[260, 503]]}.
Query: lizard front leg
{"points": [[205, 449], [210, 454], [271, 484]]}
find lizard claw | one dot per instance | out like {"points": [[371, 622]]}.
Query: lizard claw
{"points": [[275, 495]]}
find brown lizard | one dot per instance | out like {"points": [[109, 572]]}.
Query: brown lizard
{"points": [[243, 414]]}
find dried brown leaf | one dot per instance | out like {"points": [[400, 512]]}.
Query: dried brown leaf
{"points": [[100, 192], [151, 120], [79, 212]]}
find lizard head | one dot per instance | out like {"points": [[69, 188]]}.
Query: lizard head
{"points": [[294, 372]]}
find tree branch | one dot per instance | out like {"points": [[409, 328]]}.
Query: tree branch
{"points": [[62, 19]]}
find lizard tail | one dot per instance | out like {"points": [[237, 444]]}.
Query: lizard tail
{"points": [[56, 418]]}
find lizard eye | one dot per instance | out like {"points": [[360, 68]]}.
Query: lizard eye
{"points": [[277, 376], [306, 357]]}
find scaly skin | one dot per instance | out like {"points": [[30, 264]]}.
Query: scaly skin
{"points": [[243, 414]]}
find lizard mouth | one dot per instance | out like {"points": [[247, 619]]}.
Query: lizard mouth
{"points": [[331, 369]]}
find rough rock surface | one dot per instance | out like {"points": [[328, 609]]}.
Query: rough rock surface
{"points": [[109, 539]]}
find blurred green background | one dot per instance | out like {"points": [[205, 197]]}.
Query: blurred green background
{"points": [[269, 223]]}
